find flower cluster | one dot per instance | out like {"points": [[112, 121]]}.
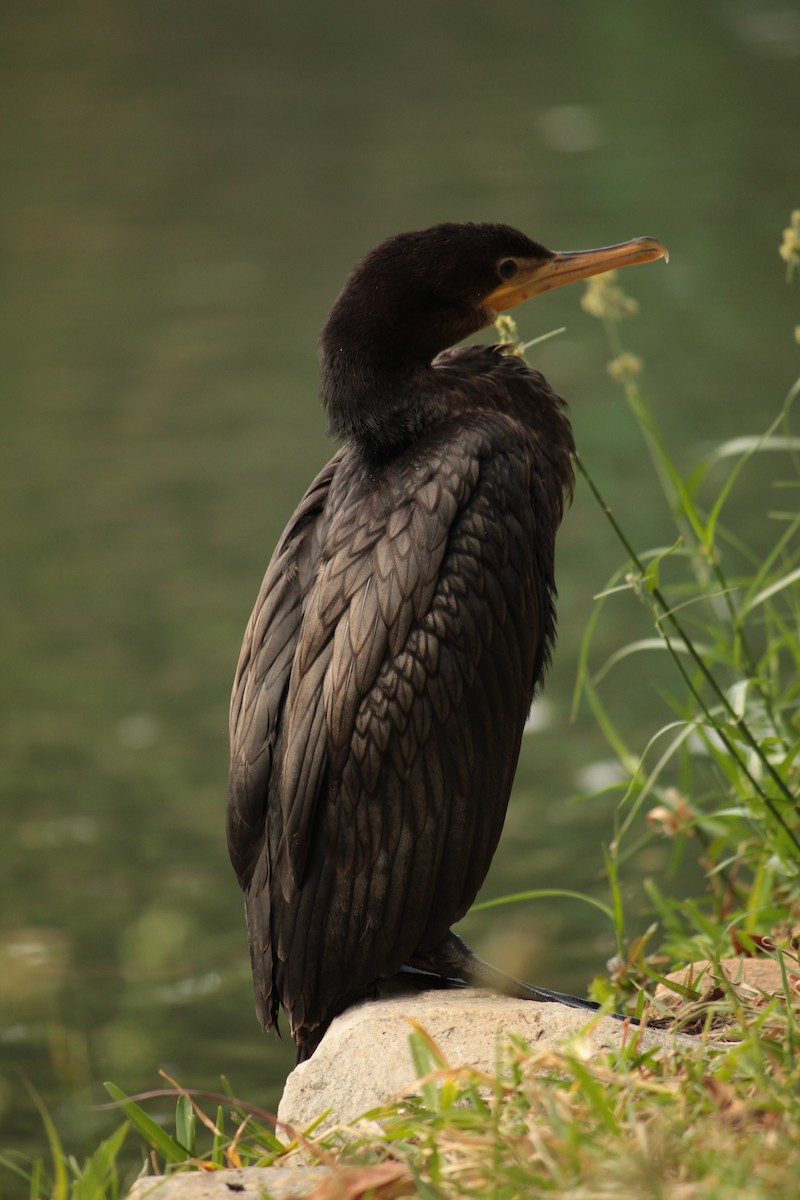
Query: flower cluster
{"points": [[624, 367], [674, 817], [789, 248], [508, 333], [605, 298]]}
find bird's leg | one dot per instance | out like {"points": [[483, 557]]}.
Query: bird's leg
{"points": [[453, 959]]}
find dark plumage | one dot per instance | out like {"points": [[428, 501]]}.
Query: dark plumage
{"points": [[402, 627]]}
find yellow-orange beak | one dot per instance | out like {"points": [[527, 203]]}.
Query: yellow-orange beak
{"points": [[537, 275]]}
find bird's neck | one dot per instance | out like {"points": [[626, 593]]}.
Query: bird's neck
{"points": [[380, 403]]}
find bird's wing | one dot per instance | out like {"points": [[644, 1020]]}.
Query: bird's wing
{"points": [[412, 677], [378, 572], [262, 676]]}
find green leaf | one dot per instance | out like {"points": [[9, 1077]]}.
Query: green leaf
{"points": [[153, 1134], [544, 894], [60, 1177], [186, 1123], [768, 592]]}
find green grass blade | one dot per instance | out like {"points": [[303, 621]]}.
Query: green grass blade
{"points": [[544, 894], [153, 1134], [60, 1175], [186, 1123]]}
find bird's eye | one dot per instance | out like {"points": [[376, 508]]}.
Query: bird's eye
{"points": [[507, 269]]}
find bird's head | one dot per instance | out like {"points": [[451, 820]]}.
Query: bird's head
{"points": [[417, 294]]}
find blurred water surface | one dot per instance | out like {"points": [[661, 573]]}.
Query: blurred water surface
{"points": [[184, 187]]}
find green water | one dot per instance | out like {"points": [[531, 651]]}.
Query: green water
{"points": [[183, 188]]}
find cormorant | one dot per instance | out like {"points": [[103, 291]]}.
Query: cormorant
{"points": [[402, 627]]}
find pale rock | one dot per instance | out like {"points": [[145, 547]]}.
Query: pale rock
{"points": [[242, 1183], [364, 1059]]}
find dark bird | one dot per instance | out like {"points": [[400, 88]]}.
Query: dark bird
{"points": [[402, 627]]}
